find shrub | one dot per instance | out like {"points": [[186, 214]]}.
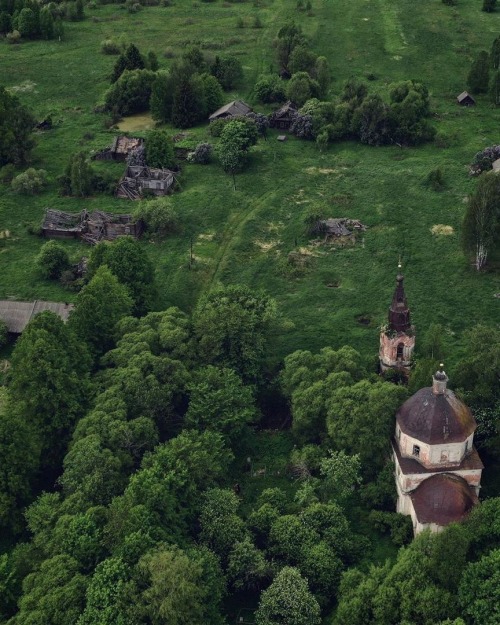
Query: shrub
{"points": [[269, 89], [30, 182], [7, 173], [13, 37], [489, 6], [202, 154], [435, 179], [108, 46], [131, 92], [159, 216], [52, 260]]}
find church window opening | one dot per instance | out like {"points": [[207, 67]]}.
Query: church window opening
{"points": [[399, 435], [400, 349], [466, 446], [416, 450]]}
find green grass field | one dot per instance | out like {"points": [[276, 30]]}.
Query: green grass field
{"points": [[244, 236]]}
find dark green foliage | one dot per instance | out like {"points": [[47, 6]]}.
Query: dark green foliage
{"points": [[478, 372], [372, 121], [54, 594], [162, 95], [16, 123], [289, 37], [495, 53], [28, 23], [479, 228], [160, 150], [494, 88], [78, 177], [489, 6], [99, 306], [479, 74], [233, 326], [159, 216], [360, 420], [188, 102], [220, 402], [479, 590], [152, 61], [49, 379], [270, 89], [435, 179], [181, 587], [288, 601], [302, 60], [221, 527], [128, 261], [5, 23], [301, 88], [131, 59], [52, 260], [247, 567], [397, 525], [131, 92], [227, 70], [213, 95], [47, 24]]}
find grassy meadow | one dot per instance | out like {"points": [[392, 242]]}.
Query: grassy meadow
{"points": [[245, 236]]}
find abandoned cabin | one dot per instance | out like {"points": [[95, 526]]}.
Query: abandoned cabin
{"points": [[138, 178], [236, 108], [284, 117], [17, 315], [465, 99], [119, 149], [89, 227]]}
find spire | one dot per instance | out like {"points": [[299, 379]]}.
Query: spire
{"points": [[399, 313]]}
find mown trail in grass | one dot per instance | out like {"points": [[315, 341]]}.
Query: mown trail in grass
{"points": [[247, 235]]}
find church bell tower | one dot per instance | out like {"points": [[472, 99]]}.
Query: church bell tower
{"points": [[397, 338]]}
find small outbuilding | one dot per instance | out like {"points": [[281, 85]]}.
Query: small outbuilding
{"points": [[465, 99], [236, 108], [119, 149], [284, 117]]}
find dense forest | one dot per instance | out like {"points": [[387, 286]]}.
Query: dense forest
{"points": [[206, 440]]}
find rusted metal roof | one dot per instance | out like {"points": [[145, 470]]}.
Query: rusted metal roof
{"points": [[409, 466], [436, 418], [17, 315], [443, 499]]}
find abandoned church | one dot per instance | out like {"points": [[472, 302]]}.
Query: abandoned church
{"points": [[437, 468]]}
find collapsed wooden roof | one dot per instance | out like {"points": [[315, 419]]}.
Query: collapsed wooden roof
{"points": [[138, 178], [119, 149], [17, 315], [341, 227], [90, 227]]}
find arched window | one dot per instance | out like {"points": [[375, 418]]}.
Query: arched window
{"points": [[400, 350]]}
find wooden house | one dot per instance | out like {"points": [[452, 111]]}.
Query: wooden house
{"points": [[465, 99], [283, 117], [236, 108], [119, 149], [138, 178], [17, 315]]}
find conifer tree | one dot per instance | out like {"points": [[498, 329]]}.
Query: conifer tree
{"points": [[478, 78]]}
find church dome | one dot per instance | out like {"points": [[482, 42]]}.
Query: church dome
{"points": [[434, 415], [442, 499]]}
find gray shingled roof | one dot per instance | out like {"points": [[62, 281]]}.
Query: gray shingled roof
{"points": [[234, 108], [17, 315]]}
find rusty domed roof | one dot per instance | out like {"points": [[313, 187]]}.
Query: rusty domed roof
{"points": [[443, 499], [435, 418]]}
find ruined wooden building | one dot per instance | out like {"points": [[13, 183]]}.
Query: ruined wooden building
{"points": [[138, 178], [89, 227], [284, 117], [119, 150], [337, 228], [465, 99]]}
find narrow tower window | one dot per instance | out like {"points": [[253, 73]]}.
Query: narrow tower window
{"points": [[416, 450], [400, 349]]}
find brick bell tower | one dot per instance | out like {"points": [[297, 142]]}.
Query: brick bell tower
{"points": [[397, 338]]}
